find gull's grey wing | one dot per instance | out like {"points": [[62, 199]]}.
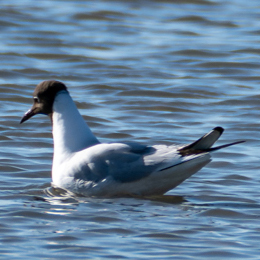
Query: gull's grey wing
{"points": [[132, 161], [124, 162]]}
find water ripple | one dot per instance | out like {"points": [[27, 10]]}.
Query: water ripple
{"points": [[148, 71]]}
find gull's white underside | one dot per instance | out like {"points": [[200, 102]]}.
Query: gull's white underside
{"points": [[85, 166]]}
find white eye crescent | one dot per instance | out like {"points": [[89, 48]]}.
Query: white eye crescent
{"points": [[36, 99]]}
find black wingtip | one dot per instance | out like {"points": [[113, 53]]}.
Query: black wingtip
{"points": [[204, 144], [219, 129], [224, 146]]}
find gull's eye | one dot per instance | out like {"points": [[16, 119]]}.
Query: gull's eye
{"points": [[36, 99]]}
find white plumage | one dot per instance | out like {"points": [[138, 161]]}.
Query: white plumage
{"points": [[83, 165]]}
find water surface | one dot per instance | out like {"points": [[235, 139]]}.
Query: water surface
{"points": [[146, 71]]}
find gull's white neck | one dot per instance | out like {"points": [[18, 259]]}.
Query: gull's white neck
{"points": [[70, 131]]}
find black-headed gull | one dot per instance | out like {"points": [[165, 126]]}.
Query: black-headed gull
{"points": [[83, 165]]}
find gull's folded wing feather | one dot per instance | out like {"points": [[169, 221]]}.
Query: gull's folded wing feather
{"points": [[124, 162], [129, 162]]}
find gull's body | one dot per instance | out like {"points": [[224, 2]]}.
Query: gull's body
{"points": [[83, 165]]}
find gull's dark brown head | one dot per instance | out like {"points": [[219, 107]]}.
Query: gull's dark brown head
{"points": [[43, 98]]}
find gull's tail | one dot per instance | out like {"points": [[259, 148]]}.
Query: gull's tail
{"points": [[204, 144]]}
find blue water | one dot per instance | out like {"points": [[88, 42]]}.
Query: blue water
{"points": [[147, 71]]}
